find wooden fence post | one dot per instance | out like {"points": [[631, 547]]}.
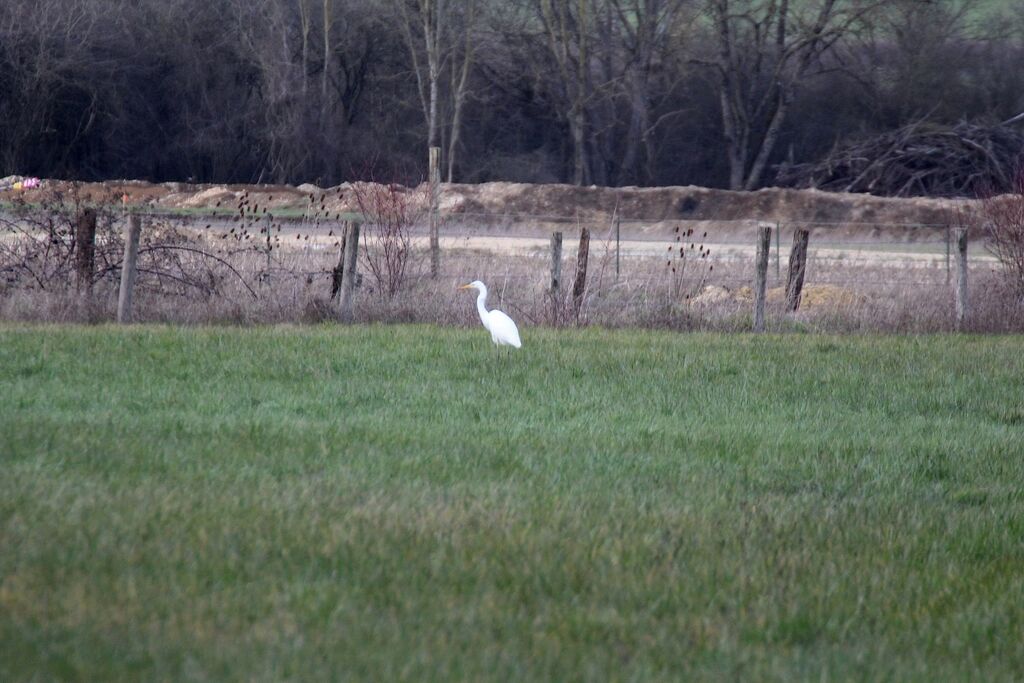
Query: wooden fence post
{"points": [[131, 254], [435, 197], [579, 286], [618, 227], [346, 294], [797, 268], [960, 293], [948, 240], [778, 251], [85, 250], [339, 269], [764, 243], [556, 275]]}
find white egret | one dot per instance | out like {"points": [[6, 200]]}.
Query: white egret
{"points": [[502, 328]]}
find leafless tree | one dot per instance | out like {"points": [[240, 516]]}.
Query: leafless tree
{"points": [[765, 51], [441, 38], [568, 30], [646, 29], [603, 92]]}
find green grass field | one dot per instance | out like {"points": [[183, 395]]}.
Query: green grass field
{"points": [[387, 503]]}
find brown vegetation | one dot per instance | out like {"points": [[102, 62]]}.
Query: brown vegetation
{"points": [[1001, 220], [250, 266]]}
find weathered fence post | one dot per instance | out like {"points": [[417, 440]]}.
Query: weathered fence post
{"points": [[948, 240], [346, 294], [435, 198], [269, 243], [778, 251], [85, 250], [797, 268], [339, 269], [960, 293], [764, 243], [618, 227], [579, 287], [556, 275], [131, 254]]}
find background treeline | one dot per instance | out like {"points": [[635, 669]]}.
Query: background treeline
{"points": [[608, 92]]}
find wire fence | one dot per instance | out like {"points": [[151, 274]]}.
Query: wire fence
{"points": [[899, 253], [673, 269]]}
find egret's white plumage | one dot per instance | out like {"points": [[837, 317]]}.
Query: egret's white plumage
{"points": [[502, 328]]}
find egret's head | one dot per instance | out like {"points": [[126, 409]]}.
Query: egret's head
{"points": [[475, 284]]}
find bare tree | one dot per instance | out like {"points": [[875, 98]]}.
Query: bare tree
{"points": [[568, 32], [645, 29], [441, 37], [765, 51], [461, 65], [591, 91]]}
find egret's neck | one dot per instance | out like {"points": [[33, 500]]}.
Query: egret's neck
{"points": [[480, 300]]}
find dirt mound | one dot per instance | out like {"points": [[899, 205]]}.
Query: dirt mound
{"points": [[213, 196], [812, 297], [648, 209], [828, 296], [692, 203]]}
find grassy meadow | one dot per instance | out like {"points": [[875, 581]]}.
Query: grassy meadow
{"points": [[406, 503]]}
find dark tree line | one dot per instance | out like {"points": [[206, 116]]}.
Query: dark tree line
{"points": [[609, 92]]}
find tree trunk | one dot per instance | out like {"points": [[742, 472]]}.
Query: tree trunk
{"points": [[305, 23], [432, 33], [579, 158], [771, 136], [327, 53], [636, 135]]}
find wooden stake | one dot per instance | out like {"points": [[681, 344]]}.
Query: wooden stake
{"points": [[778, 252], [764, 242], [960, 292], [797, 269], [131, 253], [346, 295], [556, 275], [618, 227], [579, 287], [339, 269], [435, 198]]}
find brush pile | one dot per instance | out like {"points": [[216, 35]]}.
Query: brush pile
{"points": [[919, 160]]}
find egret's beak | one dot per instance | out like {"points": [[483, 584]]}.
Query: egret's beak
{"points": [[465, 286]]}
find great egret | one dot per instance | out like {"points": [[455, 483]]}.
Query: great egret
{"points": [[502, 328]]}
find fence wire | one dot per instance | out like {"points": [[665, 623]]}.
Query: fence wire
{"points": [[634, 264]]}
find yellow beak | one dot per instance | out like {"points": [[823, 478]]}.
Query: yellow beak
{"points": [[465, 286]]}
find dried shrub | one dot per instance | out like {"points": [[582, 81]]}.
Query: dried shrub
{"points": [[37, 242], [688, 267], [38, 249], [391, 213], [1002, 219]]}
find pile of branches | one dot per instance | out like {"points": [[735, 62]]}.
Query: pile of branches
{"points": [[918, 160]]}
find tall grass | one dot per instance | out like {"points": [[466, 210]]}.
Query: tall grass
{"points": [[253, 270], [404, 502]]}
